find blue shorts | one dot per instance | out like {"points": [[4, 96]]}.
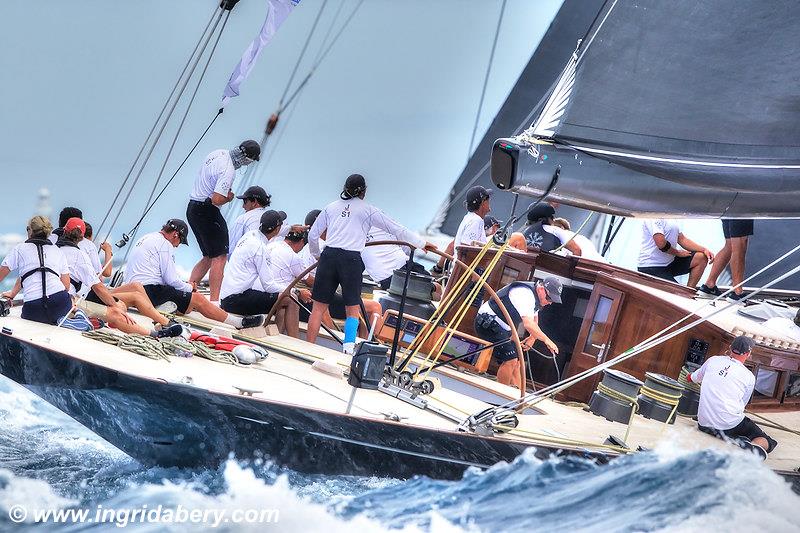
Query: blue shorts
{"points": [[49, 312]]}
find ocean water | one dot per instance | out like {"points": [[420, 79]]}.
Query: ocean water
{"points": [[49, 462]]}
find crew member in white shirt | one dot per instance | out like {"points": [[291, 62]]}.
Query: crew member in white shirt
{"points": [[542, 232], [347, 222], [104, 267], [472, 230], [255, 201], [660, 256], [381, 261], [588, 249], [211, 190], [43, 273], [726, 388], [152, 263], [523, 300], [84, 280], [248, 274]]}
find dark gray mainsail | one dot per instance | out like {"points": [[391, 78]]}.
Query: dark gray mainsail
{"points": [[678, 108]]}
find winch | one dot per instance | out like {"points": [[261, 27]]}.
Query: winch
{"points": [[615, 397], [418, 295], [659, 397], [690, 399]]}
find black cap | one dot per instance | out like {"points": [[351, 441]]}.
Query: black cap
{"points": [[176, 224], [354, 185], [311, 217], [489, 221], [251, 149], [553, 287], [256, 193], [475, 197], [270, 220], [742, 345], [540, 211]]}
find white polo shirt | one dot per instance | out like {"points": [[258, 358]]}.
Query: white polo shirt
{"points": [[248, 265], [247, 221], [649, 254], [284, 265], [152, 262], [24, 258], [726, 388], [348, 222], [523, 300], [381, 261], [470, 230], [216, 176], [91, 250], [80, 270]]}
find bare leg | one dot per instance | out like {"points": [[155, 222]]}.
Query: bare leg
{"points": [[373, 309], [721, 260], [215, 276], [314, 320], [119, 320], [761, 441], [698, 266], [200, 270], [206, 308], [291, 318], [133, 295], [508, 373], [738, 253]]}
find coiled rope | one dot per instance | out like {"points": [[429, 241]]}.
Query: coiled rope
{"points": [[162, 349]]}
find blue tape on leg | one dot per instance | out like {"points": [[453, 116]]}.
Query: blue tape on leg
{"points": [[350, 329]]}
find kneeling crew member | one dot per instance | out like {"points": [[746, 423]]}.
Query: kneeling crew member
{"points": [[152, 263], [727, 387], [523, 300]]}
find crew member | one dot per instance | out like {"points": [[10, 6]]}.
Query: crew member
{"points": [[736, 233], [541, 231], [152, 263], [212, 189], [65, 214], [43, 274], [381, 261], [471, 230], [726, 388], [255, 201], [660, 256], [247, 276], [588, 249], [347, 222], [523, 300], [105, 268], [84, 280], [285, 264]]}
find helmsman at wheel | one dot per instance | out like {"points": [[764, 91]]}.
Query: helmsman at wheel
{"points": [[523, 300]]}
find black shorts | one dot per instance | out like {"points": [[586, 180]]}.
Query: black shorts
{"points": [[746, 429], [50, 311], [415, 267], [249, 302], [489, 330], [338, 267], [732, 228], [92, 297], [209, 228], [678, 267], [159, 294]]}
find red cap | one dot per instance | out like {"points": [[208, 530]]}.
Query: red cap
{"points": [[73, 223]]}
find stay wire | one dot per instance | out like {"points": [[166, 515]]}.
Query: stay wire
{"points": [[164, 125], [302, 53], [155, 124]]}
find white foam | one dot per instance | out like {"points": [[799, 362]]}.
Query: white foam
{"points": [[32, 493]]}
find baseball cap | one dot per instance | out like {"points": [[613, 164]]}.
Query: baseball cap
{"points": [[271, 219], [553, 287], [257, 193], [476, 195], [354, 185], [176, 224], [540, 211], [489, 221], [73, 223], [251, 149], [311, 217], [742, 344]]}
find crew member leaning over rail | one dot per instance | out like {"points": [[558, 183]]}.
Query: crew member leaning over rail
{"points": [[523, 300]]}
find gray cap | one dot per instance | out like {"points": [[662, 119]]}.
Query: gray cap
{"points": [[553, 287], [742, 345]]}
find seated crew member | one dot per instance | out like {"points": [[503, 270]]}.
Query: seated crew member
{"points": [[65, 214], [211, 190], [84, 279], [726, 388], [381, 261], [152, 263], [347, 222], [588, 249], [255, 201], [523, 300], [248, 274], [43, 274], [660, 256], [542, 233]]}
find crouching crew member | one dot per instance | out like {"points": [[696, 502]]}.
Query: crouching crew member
{"points": [[726, 388], [43, 274], [255, 201], [347, 222], [212, 189], [84, 280], [248, 274], [152, 263], [523, 300]]}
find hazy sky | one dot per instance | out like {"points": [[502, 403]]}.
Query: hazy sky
{"points": [[395, 99]]}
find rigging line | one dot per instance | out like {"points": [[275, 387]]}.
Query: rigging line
{"points": [[486, 80], [155, 124], [330, 30], [302, 53], [164, 125]]}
